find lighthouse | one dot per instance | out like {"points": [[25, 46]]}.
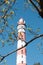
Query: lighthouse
{"points": [[21, 54]]}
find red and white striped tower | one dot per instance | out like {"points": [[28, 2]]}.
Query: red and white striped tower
{"points": [[21, 54]]}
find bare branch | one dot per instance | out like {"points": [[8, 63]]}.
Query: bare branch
{"points": [[38, 36], [34, 5], [2, 3], [40, 10]]}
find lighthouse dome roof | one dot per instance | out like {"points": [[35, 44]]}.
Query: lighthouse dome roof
{"points": [[21, 21]]}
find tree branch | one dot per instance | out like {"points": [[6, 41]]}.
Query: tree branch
{"points": [[40, 11], [34, 5], [2, 3], [41, 35]]}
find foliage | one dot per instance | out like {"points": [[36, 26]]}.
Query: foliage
{"points": [[6, 12]]}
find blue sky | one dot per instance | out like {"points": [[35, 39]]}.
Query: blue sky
{"points": [[33, 20]]}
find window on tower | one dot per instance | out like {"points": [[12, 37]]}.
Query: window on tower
{"points": [[22, 62], [22, 56], [22, 51]]}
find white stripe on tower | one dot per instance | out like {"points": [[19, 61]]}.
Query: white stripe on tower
{"points": [[21, 54]]}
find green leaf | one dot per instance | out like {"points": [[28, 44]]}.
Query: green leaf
{"points": [[29, 28], [38, 30]]}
